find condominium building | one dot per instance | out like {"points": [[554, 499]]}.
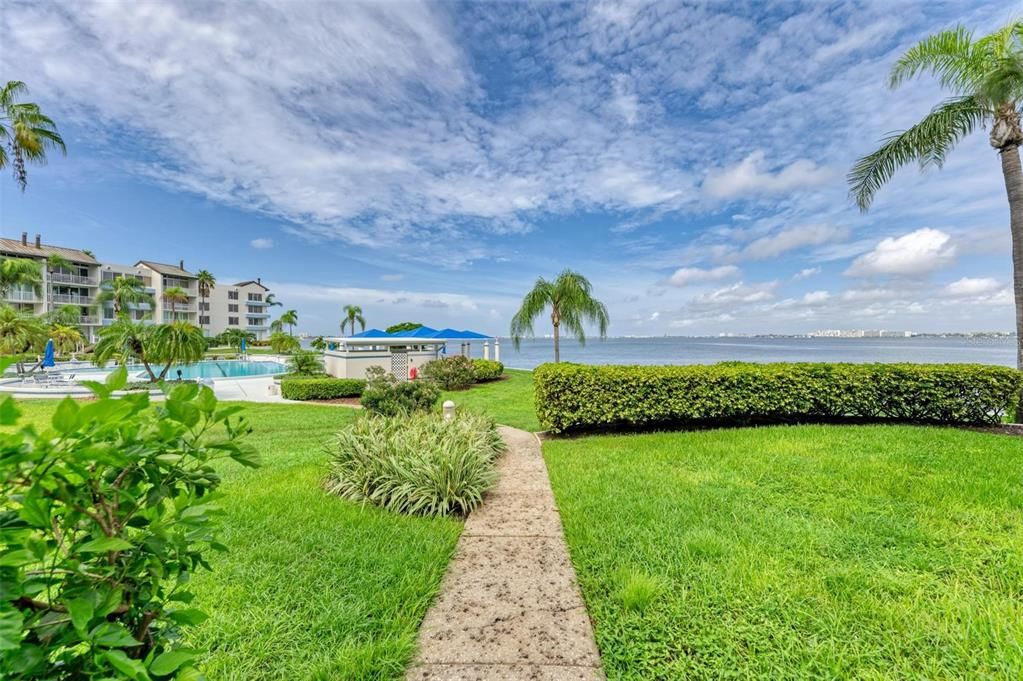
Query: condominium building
{"points": [[242, 306], [74, 282], [237, 306]]}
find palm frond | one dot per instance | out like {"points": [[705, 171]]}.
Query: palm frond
{"points": [[533, 305], [928, 142], [950, 56]]}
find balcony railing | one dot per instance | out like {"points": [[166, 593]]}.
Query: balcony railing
{"points": [[262, 315], [64, 278], [71, 299], [256, 327], [88, 320], [21, 296]]}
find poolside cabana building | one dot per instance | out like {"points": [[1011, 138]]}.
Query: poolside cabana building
{"points": [[403, 353]]}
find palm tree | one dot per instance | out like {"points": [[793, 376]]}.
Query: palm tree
{"points": [[25, 133], [65, 338], [283, 343], [20, 272], [571, 302], [985, 78], [174, 343], [20, 332], [353, 313], [174, 296], [65, 315], [290, 318], [122, 292], [56, 261], [276, 326], [271, 301], [122, 342], [206, 282]]}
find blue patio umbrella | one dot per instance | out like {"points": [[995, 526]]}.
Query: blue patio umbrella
{"points": [[48, 355], [244, 346]]}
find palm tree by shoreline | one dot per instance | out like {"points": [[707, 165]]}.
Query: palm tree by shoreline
{"points": [[985, 77], [25, 132], [291, 319], [570, 299], [353, 314], [207, 282]]}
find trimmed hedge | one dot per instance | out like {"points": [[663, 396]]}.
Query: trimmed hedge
{"points": [[487, 369], [577, 397], [326, 388]]}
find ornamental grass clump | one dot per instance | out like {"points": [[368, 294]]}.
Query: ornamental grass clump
{"points": [[418, 464]]}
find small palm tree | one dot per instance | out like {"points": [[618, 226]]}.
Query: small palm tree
{"points": [[66, 339], [174, 296], [20, 272], [283, 343], [276, 326], [122, 292], [176, 343], [20, 332], [571, 302], [271, 301], [207, 282], [353, 314], [985, 77], [56, 261], [25, 133], [290, 318], [124, 341], [65, 315]]}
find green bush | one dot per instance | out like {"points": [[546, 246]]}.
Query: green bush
{"points": [[419, 465], [107, 513], [388, 396], [487, 370], [570, 396], [450, 373], [320, 387], [305, 363]]}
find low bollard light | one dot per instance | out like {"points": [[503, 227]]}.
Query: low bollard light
{"points": [[449, 410]]}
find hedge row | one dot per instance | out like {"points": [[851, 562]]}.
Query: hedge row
{"points": [[321, 388], [487, 370], [576, 397]]}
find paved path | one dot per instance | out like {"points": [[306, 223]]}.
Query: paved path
{"points": [[510, 607]]}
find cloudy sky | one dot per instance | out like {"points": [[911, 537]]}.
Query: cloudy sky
{"points": [[429, 161]]}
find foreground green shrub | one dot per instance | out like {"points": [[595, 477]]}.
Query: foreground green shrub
{"points": [[570, 396], [487, 369], [387, 396], [419, 465], [106, 515], [320, 387], [450, 373]]}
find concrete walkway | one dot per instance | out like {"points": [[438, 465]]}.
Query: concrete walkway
{"points": [[509, 607]]}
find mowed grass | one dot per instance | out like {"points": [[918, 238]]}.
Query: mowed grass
{"points": [[314, 587], [798, 552], [509, 400]]}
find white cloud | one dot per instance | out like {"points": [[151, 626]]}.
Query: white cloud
{"points": [[739, 293], [793, 238], [917, 253], [968, 286], [262, 243], [686, 276], [750, 178], [806, 273], [816, 297]]}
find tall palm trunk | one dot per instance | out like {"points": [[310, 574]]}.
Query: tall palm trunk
{"points": [[556, 322], [1013, 174]]}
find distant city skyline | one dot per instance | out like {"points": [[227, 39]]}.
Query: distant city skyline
{"points": [[428, 161]]}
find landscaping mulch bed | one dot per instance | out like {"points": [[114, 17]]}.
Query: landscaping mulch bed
{"points": [[1011, 429]]}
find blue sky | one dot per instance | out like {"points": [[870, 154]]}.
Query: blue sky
{"points": [[429, 161]]}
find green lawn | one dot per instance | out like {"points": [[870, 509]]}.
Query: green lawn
{"points": [[509, 400], [798, 552], [314, 587]]}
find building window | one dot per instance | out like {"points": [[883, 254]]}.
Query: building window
{"points": [[256, 297], [232, 321], [204, 320], [232, 307], [232, 295], [204, 307], [254, 309]]}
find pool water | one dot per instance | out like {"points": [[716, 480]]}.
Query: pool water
{"points": [[233, 368]]}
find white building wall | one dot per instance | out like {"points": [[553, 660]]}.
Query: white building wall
{"points": [[234, 306]]}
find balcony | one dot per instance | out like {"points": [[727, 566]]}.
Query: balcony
{"points": [[65, 278], [258, 315], [22, 296], [88, 320], [260, 303], [256, 327], [70, 299]]}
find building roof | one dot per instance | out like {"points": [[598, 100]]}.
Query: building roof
{"points": [[163, 268], [29, 250], [252, 281], [420, 333]]}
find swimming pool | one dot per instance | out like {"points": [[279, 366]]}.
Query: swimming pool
{"points": [[231, 368]]}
